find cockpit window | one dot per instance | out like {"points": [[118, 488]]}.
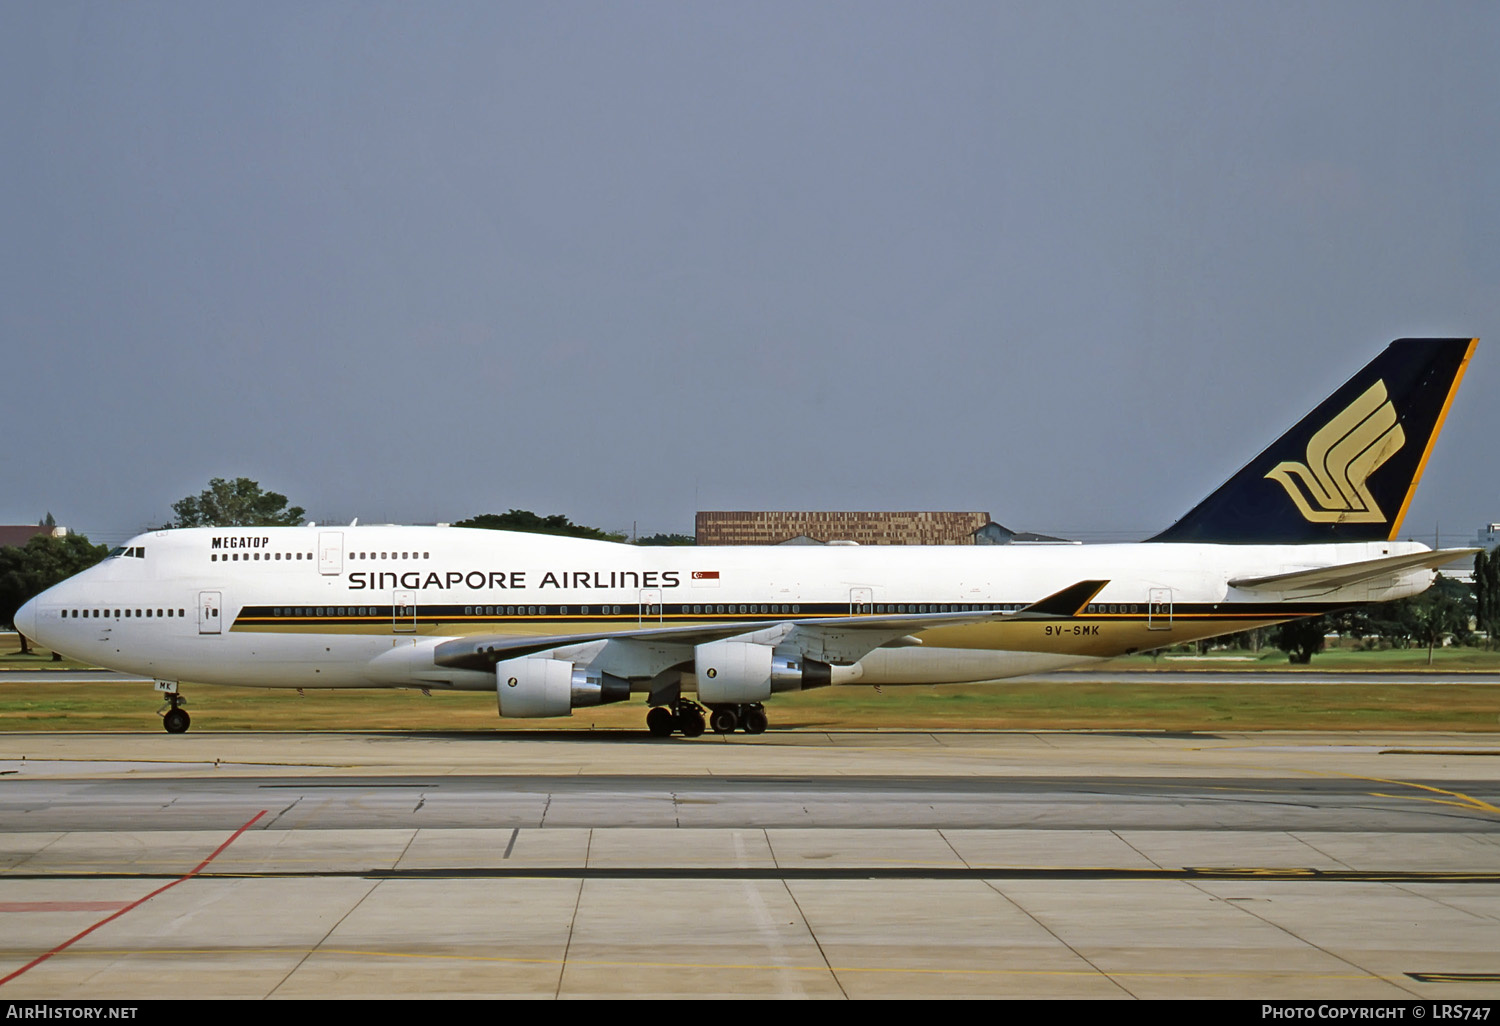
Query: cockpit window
{"points": [[119, 550]]}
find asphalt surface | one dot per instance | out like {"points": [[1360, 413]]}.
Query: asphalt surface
{"points": [[793, 864]]}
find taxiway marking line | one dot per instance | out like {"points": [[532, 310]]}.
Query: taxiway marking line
{"points": [[134, 904], [1468, 800], [1465, 801]]}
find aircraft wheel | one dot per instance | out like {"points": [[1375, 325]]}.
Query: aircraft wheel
{"points": [[723, 721], [176, 721], [691, 723], [755, 721], [660, 722]]}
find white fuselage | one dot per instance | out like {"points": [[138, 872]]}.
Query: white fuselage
{"points": [[366, 606]]}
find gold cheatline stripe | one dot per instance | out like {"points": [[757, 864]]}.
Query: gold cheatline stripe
{"points": [[1287, 609], [1437, 428], [382, 625]]}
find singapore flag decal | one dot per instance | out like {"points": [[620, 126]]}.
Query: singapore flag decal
{"points": [[705, 578]]}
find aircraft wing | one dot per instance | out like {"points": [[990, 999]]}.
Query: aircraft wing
{"points": [[483, 651], [1345, 574]]}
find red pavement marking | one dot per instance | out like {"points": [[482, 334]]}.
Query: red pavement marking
{"points": [[139, 901]]}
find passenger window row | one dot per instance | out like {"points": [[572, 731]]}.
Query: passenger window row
{"points": [[214, 557], [227, 556], [942, 607], [74, 614]]}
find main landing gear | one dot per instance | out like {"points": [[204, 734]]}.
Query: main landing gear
{"points": [[687, 717], [726, 719], [682, 716], [175, 719]]}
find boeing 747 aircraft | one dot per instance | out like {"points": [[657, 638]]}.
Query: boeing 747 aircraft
{"points": [[550, 624]]}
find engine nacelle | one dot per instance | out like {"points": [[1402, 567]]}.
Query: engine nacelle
{"points": [[537, 686], [732, 672], [744, 672]]}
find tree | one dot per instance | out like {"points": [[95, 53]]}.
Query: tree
{"points": [[27, 571], [1439, 611], [1491, 622], [1354, 624], [1481, 590], [237, 503], [1255, 639], [528, 522], [1487, 594], [1425, 619], [1302, 638], [1394, 623], [667, 539]]}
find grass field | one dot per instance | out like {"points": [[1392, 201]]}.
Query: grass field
{"points": [[1149, 704], [1450, 659]]}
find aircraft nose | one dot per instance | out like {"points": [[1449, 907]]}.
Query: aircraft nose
{"points": [[25, 620]]}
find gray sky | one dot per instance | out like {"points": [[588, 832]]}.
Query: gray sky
{"points": [[1070, 263]]}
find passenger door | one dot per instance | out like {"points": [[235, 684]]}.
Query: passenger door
{"points": [[404, 612], [650, 607], [1159, 609], [330, 553], [210, 612]]}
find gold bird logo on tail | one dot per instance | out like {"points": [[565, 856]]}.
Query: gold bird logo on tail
{"points": [[1341, 456]]}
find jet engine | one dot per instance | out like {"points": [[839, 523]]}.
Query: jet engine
{"points": [[538, 686], [744, 672]]}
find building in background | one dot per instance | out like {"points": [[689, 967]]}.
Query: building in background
{"points": [[930, 527], [1488, 538], [19, 535]]}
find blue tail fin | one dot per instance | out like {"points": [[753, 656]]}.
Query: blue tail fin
{"points": [[1348, 470]]}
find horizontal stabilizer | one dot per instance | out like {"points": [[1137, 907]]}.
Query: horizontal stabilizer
{"points": [[1346, 574]]}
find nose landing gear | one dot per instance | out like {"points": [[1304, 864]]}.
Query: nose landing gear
{"points": [[173, 716]]}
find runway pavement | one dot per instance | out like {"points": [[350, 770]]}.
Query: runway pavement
{"points": [[796, 863]]}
